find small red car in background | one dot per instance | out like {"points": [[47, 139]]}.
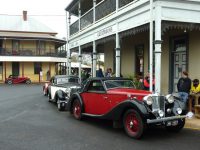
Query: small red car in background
{"points": [[12, 79]]}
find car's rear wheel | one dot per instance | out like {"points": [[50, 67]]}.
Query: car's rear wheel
{"points": [[133, 124], [49, 97], [9, 82], [77, 109], [178, 127], [28, 81], [44, 92]]}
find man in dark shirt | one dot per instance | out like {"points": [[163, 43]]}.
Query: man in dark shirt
{"points": [[184, 86]]}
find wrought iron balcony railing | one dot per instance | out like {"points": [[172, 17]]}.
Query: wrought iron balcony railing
{"points": [[32, 52], [102, 9]]}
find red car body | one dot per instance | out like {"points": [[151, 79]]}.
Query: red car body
{"points": [[117, 99], [16, 79], [109, 100]]}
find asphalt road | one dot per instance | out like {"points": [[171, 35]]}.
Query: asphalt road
{"points": [[29, 122]]}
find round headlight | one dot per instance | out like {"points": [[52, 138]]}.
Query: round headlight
{"points": [[161, 113], [170, 98], [148, 100], [179, 111], [68, 90]]}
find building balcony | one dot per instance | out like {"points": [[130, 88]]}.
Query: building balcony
{"points": [[102, 9], [33, 52]]}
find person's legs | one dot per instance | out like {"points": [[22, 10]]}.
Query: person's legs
{"points": [[183, 96]]}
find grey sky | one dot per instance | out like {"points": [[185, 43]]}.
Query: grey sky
{"points": [[49, 12]]}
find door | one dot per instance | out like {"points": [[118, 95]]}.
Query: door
{"points": [[15, 68], [179, 59], [95, 99]]}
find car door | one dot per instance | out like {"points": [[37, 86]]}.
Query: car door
{"points": [[95, 99]]}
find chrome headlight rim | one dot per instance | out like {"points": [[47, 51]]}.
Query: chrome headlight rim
{"points": [[148, 99], [170, 98]]}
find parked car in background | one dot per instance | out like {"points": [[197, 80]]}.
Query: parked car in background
{"points": [[12, 79], [60, 88], [117, 99]]}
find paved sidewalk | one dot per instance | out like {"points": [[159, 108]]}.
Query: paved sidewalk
{"points": [[193, 123]]}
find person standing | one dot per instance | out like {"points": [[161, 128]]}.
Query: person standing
{"points": [[184, 86]]}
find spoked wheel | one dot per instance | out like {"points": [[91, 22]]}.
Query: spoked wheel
{"points": [[77, 109], [44, 92], [9, 81], [60, 108], [49, 97], [28, 81], [133, 124]]}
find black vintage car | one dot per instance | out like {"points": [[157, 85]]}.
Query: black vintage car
{"points": [[117, 99], [60, 88]]}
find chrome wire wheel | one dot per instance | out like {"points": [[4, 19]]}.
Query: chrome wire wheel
{"points": [[133, 124], [76, 109]]}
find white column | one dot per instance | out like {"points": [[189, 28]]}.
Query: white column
{"points": [[79, 15], [80, 61], [68, 49], [151, 46], [117, 5], [94, 59], [117, 50], [94, 10], [158, 51]]}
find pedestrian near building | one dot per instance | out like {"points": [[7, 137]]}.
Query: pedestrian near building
{"points": [[194, 93], [184, 86]]}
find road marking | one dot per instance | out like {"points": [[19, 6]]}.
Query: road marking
{"points": [[13, 117]]}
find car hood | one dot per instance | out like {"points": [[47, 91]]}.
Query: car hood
{"points": [[139, 94]]}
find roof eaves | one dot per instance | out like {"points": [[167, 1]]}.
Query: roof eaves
{"points": [[71, 5]]}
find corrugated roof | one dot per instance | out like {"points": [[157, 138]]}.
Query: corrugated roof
{"points": [[16, 23]]}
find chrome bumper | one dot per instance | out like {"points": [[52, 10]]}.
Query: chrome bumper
{"points": [[149, 121]]}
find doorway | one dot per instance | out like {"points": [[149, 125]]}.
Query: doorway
{"points": [[15, 68], [179, 60]]}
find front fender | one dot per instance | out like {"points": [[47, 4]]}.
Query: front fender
{"points": [[118, 112], [61, 95], [75, 96]]}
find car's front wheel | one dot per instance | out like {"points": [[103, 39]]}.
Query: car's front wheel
{"points": [[59, 106], [178, 127], [28, 81], [76, 109], [133, 124]]}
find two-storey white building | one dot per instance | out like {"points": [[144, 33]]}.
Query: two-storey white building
{"points": [[136, 36]]}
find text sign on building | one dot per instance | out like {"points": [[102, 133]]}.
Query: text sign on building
{"points": [[73, 44], [105, 32]]}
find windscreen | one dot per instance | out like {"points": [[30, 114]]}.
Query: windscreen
{"points": [[65, 80], [119, 84]]}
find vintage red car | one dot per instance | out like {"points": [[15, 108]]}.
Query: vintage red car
{"points": [[12, 79], [117, 99]]}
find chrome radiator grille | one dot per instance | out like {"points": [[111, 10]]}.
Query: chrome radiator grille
{"points": [[158, 103]]}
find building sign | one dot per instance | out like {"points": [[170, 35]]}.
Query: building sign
{"points": [[105, 32], [74, 44]]}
